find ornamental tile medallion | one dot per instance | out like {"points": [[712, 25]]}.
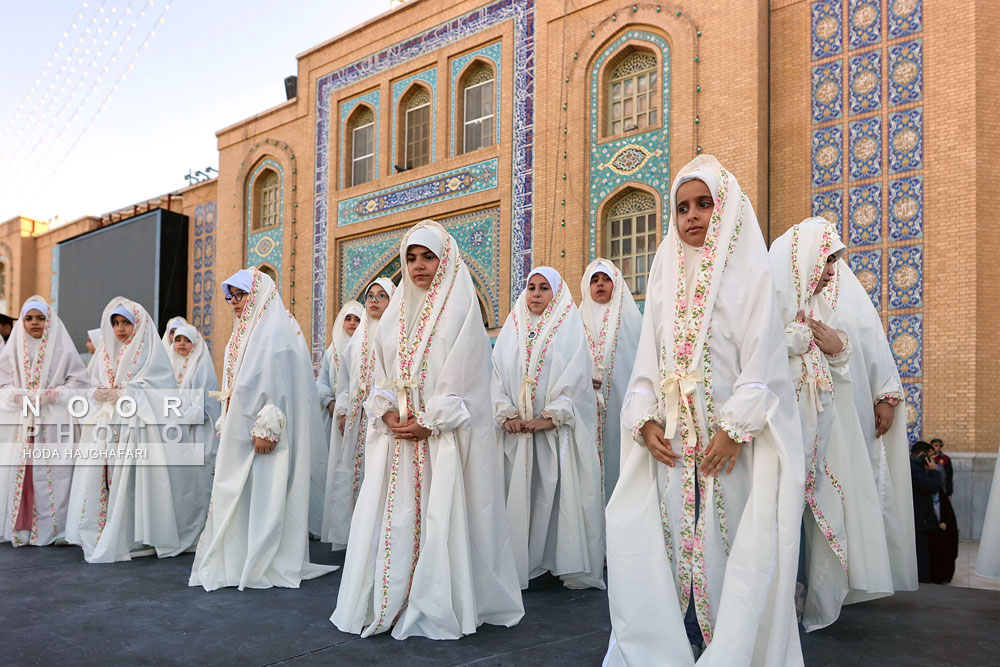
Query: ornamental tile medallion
{"points": [[906, 341], [826, 28], [865, 74], [906, 277], [827, 93], [906, 145], [865, 215], [906, 208], [867, 268], [864, 22], [866, 148], [906, 72], [827, 152], [906, 17], [629, 159], [829, 205]]}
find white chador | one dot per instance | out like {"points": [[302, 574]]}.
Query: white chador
{"points": [[612, 336], [875, 378], [130, 488], [429, 552], [256, 535], [319, 450], [988, 560], [541, 368], [195, 375], [845, 545], [711, 356], [326, 381], [168, 334], [347, 450], [35, 471]]}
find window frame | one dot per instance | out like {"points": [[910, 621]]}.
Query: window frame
{"points": [[355, 158], [481, 120], [650, 239], [608, 87], [426, 139]]}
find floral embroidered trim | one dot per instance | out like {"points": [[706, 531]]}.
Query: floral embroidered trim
{"points": [[424, 420], [607, 366], [263, 434], [738, 435], [833, 480], [668, 539], [824, 524], [387, 539], [844, 351], [642, 422], [892, 398]]}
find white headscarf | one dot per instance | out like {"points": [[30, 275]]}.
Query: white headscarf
{"points": [[551, 276], [338, 335], [35, 303], [124, 312], [427, 239], [172, 324], [94, 335], [242, 280], [182, 364], [120, 362]]}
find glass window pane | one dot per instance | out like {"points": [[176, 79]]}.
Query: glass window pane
{"points": [[627, 266], [652, 79], [616, 127], [627, 245], [628, 106], [486, 128], [640, 244], [615, 249], [640, 264], [640, 120], [616, 110], [627, 227], [641, 83], [629, 87], [615, 228], [640, 284], [652, 118], [640, 224], [642, 101], [473, 104], [487, 97], [616, 91], [473, 136]]}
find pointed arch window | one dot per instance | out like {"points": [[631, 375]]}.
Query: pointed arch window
{"points": [[267, 200], [478, 100], [416, 109], [632, 237], [633, 93], [361, 149]]}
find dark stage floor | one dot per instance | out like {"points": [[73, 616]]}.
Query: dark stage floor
{"points": [[57, 609]]}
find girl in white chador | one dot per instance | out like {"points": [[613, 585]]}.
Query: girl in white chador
{"points": [[256, 535], [344, 327], [988, 560], [347, 446], [143, 495], [39, 365], [93, 337], [845, 546], [429, 552], [703, 526], [195, 374], [880, 406], [612, 322], [543, 401], [168, 334]]}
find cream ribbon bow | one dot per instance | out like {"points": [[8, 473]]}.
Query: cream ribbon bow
{"points": [[814, 383], [524, 397], [401, 387], [674, 388]]}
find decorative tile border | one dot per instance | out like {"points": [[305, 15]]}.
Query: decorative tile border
{"points": [[372, 99], [827, 93], [865, 217], [827, 156], [865, 74], [867, 267], [864, 23], [865, 160], [491, 53], [522, 14], [614, 162], [428, 77], [203, 278], [905, 17], [913, 393], [829, 205], [265, 245], [906, 72], [906, 140], [827, 22], [477, 233], [906, 341], [906, 284], [440, 187], [906, 208]]}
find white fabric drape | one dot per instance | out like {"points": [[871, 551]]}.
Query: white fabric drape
{"points": [[874, 375], [845, 545], [988, 560], [711, 359], [172, 324], [541, 368], [347, 450], [612, 337], [117, 505], [48, 372], [256, 535], [326, 381], [429, 552]]}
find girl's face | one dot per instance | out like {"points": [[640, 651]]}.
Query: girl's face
{"points": [[89, 345], [123, 328], [828, 271], [421, 264], [351, 323], [170, 334], [34, 323], [376, 301], [237, 299], [694, 207], [601, 287], [539, 294], [182, 345]]}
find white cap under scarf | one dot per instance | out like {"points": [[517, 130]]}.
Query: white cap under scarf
{"points": [[187, 331], [428, 239], [551, 276], [94, 335], [384, 283], [124, 312], [35, 304], [601, 266], [241, 280]]}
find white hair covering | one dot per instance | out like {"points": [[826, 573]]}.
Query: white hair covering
{"points": [[35, 304], [242, 280], [427, 238], [551, 276], [124, 312]]}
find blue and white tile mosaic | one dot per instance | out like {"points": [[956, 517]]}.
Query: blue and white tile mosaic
{"points": [[492, 54], [642, 158], [827, 156], [373, 100], [906, 284], [827, 38], [906, 208], [829, 205], [906, 341], [913, 394], [865, 75], [440, 187], [827, 93], [477, 233], [906, 72], [865, 216], [428, 78], [867, 267], [864, 23], [906, 140], [265, 246], [203, 279], [522, 15], [905, 17], [865, 159]]}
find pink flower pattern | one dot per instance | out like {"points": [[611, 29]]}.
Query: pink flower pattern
{"points": [[824, 524]]}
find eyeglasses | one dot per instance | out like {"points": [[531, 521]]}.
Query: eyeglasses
{"points": [[381, 296], [235, 295]]}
